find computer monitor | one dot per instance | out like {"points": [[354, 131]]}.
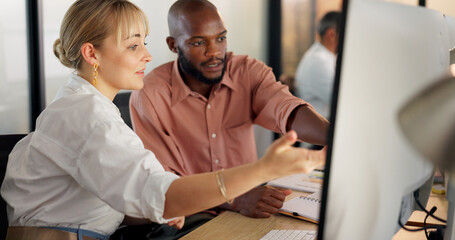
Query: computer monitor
{"points": [[450, 20], [427, 122], [388, 52]]}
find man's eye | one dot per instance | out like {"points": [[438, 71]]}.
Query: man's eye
{"points": [[198, 43]]}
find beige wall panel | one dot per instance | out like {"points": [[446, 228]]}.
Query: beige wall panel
{"points": [[296, 32]]}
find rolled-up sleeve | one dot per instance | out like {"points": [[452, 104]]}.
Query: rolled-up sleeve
{"points": [[272, 101], [114, 165]]}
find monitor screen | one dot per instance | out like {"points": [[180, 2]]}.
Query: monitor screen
{"points": [[450, 20], [388, 52]]}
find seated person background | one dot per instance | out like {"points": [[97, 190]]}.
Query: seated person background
{"points": [[315, 73], [83, 170], [197, 112]]}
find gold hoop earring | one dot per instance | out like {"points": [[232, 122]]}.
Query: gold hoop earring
{"points": [[95, 73]]}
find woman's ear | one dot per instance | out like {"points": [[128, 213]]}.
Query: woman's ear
{"points": [[88, 53]]}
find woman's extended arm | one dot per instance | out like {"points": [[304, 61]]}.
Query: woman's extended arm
{"points": [[191, 194]]}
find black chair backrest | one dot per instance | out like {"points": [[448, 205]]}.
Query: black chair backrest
{"points": [[122, 101], [7, 142]]}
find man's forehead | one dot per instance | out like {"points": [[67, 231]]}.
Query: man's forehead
{"points": [[207, 24]]}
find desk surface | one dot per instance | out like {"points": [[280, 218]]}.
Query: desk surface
{"points": [[230, 225], [437, 200]]}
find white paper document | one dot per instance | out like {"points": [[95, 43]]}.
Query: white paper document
{"points": [[304, 182]]}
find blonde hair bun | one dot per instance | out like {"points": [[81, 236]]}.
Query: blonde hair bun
{"points": [[60, 53]]}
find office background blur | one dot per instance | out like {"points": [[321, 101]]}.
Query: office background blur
{"points": [[252, 30]]}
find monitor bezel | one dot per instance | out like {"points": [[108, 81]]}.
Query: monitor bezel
{"points": [[332, 120]]}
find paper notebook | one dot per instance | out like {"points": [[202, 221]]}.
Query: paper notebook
{"points": [[303, 207]]}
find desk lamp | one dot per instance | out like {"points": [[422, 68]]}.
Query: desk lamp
{"points": [[428, 122]]}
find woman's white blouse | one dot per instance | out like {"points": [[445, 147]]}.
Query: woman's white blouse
{"points": [[83, 167]]}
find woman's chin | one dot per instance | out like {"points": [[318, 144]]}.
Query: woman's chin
{"points": [[136, 86]]}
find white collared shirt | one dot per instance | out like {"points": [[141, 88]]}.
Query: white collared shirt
{"points": [[83, 167], [315, 76]]}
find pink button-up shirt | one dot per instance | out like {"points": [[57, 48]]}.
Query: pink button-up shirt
{"points": [[191, 134]]}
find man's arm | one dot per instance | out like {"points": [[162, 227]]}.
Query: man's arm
{"points": [[310, 126], [276, 109], [260, 202]]}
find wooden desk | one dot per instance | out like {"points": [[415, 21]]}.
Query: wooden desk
{"points": [[437, 200], [230, 225]]}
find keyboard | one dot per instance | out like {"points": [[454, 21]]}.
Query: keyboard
{"points": [[290, 235]]}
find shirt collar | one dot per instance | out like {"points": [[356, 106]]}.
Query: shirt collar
{"points": [[325, 49], [180, 90], [78, 84]]}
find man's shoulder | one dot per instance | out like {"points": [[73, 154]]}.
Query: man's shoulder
{"points": [[243, 62], [240, 59], [159, 78], [316, 55], [319, 51], [160, 73]]}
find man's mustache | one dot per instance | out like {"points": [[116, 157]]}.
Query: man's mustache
{"points": [[221, 60]]}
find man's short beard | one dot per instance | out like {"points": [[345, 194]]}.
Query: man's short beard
{"points": [[190, 69]]}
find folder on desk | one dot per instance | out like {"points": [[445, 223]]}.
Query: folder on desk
{"points": [[303, 207]]}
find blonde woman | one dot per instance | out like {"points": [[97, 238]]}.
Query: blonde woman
{"points": [[83, 170]]}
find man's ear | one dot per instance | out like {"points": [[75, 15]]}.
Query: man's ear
{"points": [[88, 53], [172, 44]]}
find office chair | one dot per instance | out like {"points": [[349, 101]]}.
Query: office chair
{"points": [[7, 142], [122, 101]]}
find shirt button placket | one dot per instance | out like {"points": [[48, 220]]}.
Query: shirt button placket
{"points": [[212, 135]]}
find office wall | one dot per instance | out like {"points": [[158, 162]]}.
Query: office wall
{"points": [[444, 6]]}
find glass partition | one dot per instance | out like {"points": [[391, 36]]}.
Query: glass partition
{"points": [[14, 84]]}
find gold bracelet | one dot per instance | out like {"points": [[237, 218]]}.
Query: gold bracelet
{"points": [[220, 181]]}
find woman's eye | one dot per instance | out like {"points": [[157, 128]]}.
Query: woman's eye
{"points": [[133, 47]]}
